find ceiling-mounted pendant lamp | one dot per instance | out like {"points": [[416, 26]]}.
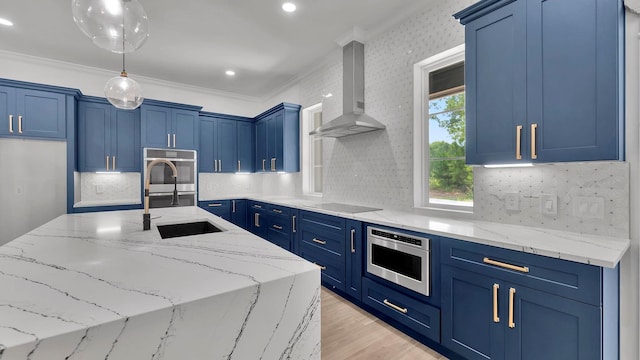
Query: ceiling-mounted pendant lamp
{"points": [[123, 92], [107, 22]]}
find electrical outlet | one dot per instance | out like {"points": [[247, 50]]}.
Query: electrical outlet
{"points": [[548, 204], [19, 190], [99, 189], [511, 201], [588, 207]]}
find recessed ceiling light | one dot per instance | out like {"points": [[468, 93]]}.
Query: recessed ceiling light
{"points": [[5, 22], [289, 7], [230, 72]]}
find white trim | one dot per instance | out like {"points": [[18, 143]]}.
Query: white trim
{"points": [[420, 132]]}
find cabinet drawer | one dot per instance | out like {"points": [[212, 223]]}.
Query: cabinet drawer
{"points": [[421, 317], [255, 205], [281, 239], [332, 266], [280, 224], [565, 278], [279, 210], [220, 208], [325, 223], [313, 235]]}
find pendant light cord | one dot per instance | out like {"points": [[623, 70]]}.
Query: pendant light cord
{"points": [[123, 69]]}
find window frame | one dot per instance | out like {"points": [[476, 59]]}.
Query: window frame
{"points": [[307, 154], [421, 72]]}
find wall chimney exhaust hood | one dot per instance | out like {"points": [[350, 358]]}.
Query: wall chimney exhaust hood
{"points": [[353, 120]]}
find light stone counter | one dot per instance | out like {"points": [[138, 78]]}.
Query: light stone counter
{"points": [[95, 286], [589, 249]]}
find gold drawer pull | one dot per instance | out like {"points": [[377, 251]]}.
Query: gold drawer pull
{"points": [[320, 266], [518, 142], [496, 319], [277, 227], [395, 307], [215, 205], [321, 242], [523, 269], [19, 124], [533, 141], [277, 211], [512, 293], [10, 124]]}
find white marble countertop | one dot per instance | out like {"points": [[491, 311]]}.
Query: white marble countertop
{"points": [[583, 248], [89, 286]]}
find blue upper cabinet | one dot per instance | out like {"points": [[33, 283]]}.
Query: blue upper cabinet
{"points": [[541, 88], [169, 125], [278, 139], [32, 113], [246, 151], [108, 138], [220, 145]]}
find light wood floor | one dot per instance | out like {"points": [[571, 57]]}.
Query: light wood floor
{"points": [[349, 332]]}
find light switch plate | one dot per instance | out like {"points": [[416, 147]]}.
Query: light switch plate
{"points": [[548, 204], [588, 207], [511, 202]]}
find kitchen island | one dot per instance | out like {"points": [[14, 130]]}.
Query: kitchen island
{"points": [[95, 286]]}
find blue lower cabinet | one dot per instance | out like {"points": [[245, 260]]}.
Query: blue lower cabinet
{"points": [[221, 208], [418, 316], [239, 213], [354, 255], [487, 318], [331, 265], [258, 222]]}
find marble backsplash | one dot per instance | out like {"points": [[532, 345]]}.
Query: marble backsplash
{"points": [[219, 186], [605, 182]]}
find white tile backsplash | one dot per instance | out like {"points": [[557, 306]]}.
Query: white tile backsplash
{"points": [[110, 187]]}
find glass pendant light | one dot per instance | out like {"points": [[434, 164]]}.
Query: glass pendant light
{"points": [[106, 22], [122, 91]]}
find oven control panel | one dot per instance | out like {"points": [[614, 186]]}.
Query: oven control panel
{"points": [[397, 237]]}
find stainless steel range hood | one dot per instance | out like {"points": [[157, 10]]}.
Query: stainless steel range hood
{"points": [[353, 120]]}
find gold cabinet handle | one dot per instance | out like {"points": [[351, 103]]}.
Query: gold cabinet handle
{"points": [[320, 266], [215, 205], [113, 163], [174, 140], [19, 124], [518, 142], [107, 162], [10, 124], [321, 242], [239, 165], [263, 163], [293, 223], [168, 140], [496, 287], [533, 141], [353, 233], [512, 293], [273, 164], [256, 219], [395, 307], [277, 227], [523, 269], [277, 211]]}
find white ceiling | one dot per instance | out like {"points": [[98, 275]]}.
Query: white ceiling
{"points": [[194, 41]]}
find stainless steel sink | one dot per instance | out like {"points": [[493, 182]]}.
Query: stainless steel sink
{"points": [[187, 229]]}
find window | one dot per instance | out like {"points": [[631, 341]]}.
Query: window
{"points": [[441, 178], [311, 151]]}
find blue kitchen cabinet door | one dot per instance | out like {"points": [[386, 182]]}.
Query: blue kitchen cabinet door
{"points": [[354, 256], [239, 213], [225, 145], [245, 146], [573, 79], [156, 126], [184, 126], [274, 141], [7, 110], [125, 140], [258, 222], [94, 136], [547, 326], [468, 326], [495, 71], [43, 114], [206, 152], [261, 146], [221, 208]]}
